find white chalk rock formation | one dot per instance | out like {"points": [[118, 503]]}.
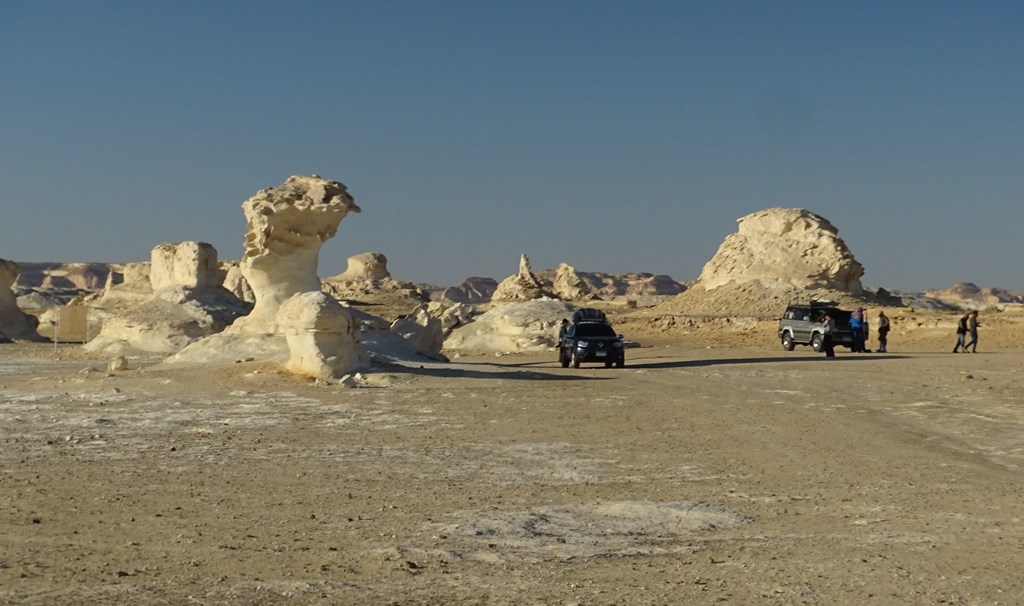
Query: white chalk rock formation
{"points": [[165, 305], [423, 331], [367, 279], [364, 267], [524, 286], [322, 336], [14, 323], [568, 285], [783, 248], [187, 264], [451, 315], [287, 226], [524, 326], [236, 283]]}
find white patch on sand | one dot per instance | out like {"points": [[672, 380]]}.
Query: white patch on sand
{"points": [[590, 530]]}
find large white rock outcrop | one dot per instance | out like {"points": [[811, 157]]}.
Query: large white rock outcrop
{"points": [[287, 226], [523, 286], [188, 264], [784, 248], [568, 285], [322, 336], [425, 332], [164, 305], [14, 323], [523, 326]]}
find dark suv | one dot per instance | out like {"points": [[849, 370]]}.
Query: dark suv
{"points": [[591, 339], [802, 325]]}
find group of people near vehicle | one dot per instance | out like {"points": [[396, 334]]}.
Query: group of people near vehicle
{"points": [[859, 327], [967, 325]]}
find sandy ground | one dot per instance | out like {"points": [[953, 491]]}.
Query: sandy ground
{"points": [[693, 476]]}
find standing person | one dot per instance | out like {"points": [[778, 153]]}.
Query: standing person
{"points": [[972, 327], [961, 332], [883, 332], [827, 330], [562, 329], [864, 330], [857, 328]]}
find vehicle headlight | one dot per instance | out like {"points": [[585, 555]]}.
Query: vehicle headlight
{"points": [[617, 344], [581, 343]]}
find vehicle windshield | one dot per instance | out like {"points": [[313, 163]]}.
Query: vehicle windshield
{"points": [[594, 330]]}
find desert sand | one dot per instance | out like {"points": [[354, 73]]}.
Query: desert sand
{"points": [[714, 468]]}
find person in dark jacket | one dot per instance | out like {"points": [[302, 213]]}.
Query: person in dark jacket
{"points": [[828, 330], [961, 333]]}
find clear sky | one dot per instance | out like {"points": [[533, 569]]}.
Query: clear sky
{"points": [[615, 136]]}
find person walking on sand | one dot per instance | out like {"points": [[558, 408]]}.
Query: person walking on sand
{"points": [[828, 328], [961, 333], [972, 328], [883, 332]]}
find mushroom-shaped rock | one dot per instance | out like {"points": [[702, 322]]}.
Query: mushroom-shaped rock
{"points": [[321, 336], [287, 226], [365, 267], [784, 248]]}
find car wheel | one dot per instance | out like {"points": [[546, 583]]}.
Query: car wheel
{"points": [[563, 359], [621, 362], [575, 360], [817, 343], [787, 342]]}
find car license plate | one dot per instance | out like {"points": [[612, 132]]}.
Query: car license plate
{"points": [[601, 354]]}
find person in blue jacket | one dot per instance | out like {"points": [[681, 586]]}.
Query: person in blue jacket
{"points": [[857, 326]]}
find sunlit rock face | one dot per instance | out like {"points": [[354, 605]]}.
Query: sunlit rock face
{"points": [[784, 248], [322, 336], [523, 286], [165, 305], [189, 264], [14, 323], [514, 327], [364, 267], [287, 226], [424, 331], [569, 286]]}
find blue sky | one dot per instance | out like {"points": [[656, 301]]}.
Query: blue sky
{"points": [[613, 136]]}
